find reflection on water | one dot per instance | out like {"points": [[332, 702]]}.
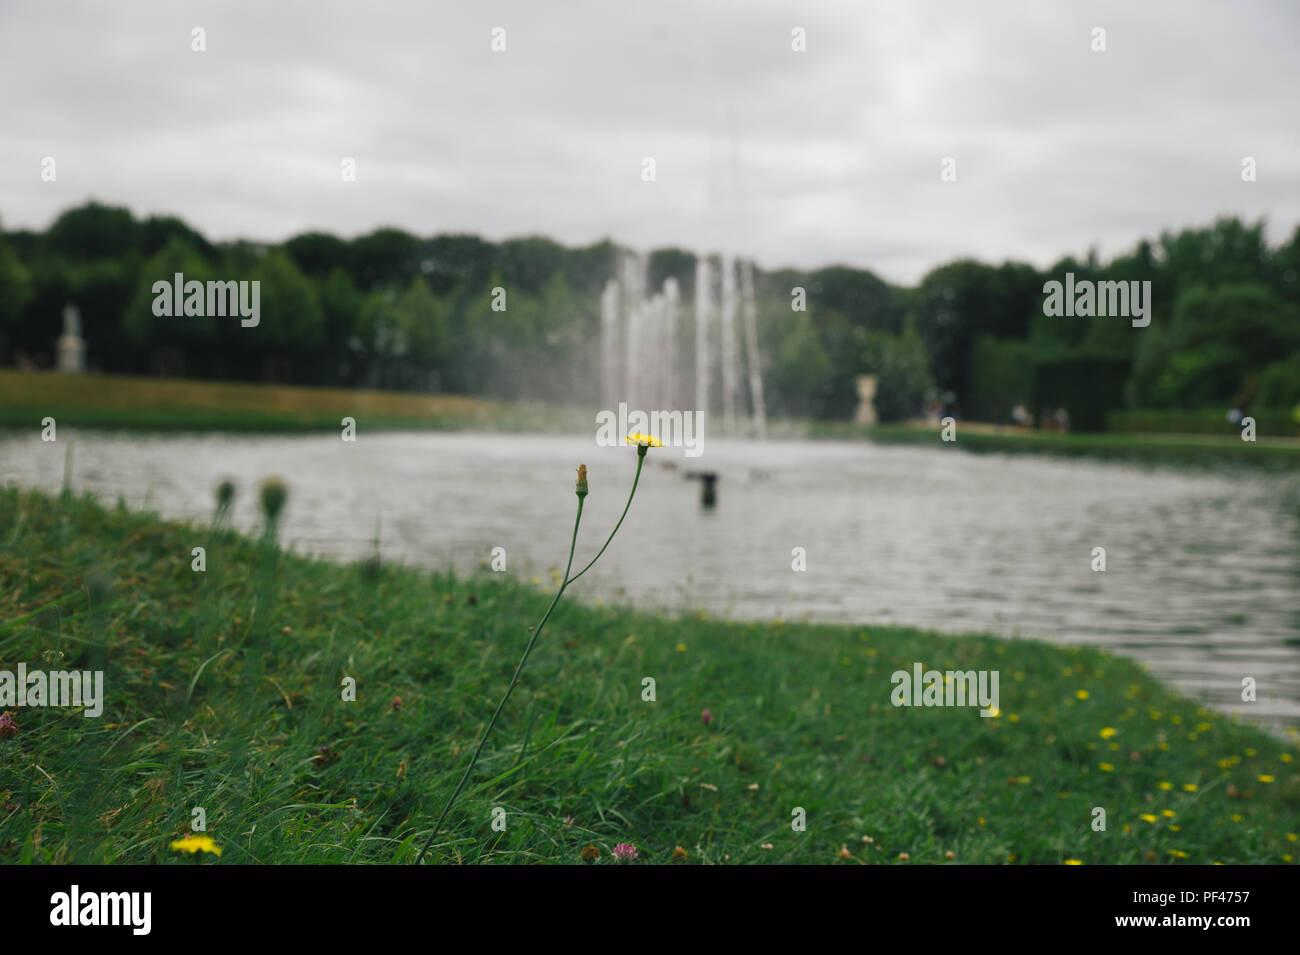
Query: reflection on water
{"points": [[1202, 575]]}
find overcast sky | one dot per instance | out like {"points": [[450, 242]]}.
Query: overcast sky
{"points": [[832, 155]]}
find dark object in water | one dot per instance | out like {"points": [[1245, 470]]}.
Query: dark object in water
{"points": [[708, 487]]}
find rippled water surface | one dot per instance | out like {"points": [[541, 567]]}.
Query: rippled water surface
{"points": [[1202, 579]]}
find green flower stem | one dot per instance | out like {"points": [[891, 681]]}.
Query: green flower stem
{"points": [[514, 681], [640, 460]]}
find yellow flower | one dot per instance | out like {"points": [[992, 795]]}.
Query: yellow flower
{"points": [[193, 844], [1106, 767], [1291, 837], [1081, 694], [1286, 757], [1108, 731], [1178, 854], [1265, 778], [1190, 787], [1148, 817], [1167, 812], [1165, 785], [1237, 818], [644, 440], [1073, 862], [681, 648]]}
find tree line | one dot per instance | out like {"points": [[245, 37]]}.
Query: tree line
{"points": [[393, 310]]}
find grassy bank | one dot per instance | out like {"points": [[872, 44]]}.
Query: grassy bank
{"points": [[159, 404], [223, 691], [163, 404], [1276, 453]]}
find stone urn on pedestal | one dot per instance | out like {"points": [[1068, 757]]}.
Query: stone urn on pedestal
{"points": [[866, 414]]}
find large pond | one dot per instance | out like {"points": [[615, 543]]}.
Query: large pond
{"points": [[1202, 577]]}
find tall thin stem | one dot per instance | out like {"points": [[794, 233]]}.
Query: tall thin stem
{"points": [[514, 681], [639, 462]]}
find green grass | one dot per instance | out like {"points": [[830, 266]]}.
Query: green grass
{"points": [[1181, 449], [165, 404], [1269, 422], [221, 688]]}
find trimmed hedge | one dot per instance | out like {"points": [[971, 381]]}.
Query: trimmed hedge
{"points": [[1088, 386]]}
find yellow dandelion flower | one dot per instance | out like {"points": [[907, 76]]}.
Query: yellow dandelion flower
{"points": [[681, 648], [1106, 767], [1015, 719], [1148, 817], [1236, 817], [644, 440], [1073, 862], [1291, 837], [1190, 787], [1250, 752], [1081, 694], [1022, 779], [1286, 857], [1165, 785], [193, 844], [1265, 778], [1286, 757], [1175, 828], [1167, 812], [1107, 732], [1178, 853]]}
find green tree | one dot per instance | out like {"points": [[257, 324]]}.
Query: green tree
{"points": [[93, 231], [794, 382], [291, 317], [902, 370]]}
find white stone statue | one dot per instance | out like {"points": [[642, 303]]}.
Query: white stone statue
{"points": [[71, 346]]}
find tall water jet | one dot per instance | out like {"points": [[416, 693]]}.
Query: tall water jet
{"points": [[609, 343], [672, 307], [749, 318], [633, 312], [703, 319], [730, 353]]}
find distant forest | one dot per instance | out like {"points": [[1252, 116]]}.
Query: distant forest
{"points": [[398, 311]]}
